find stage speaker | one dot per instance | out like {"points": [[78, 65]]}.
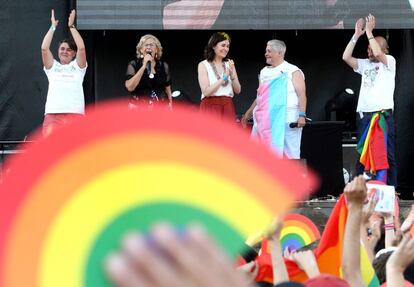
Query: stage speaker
{"points": [[322, 149]]}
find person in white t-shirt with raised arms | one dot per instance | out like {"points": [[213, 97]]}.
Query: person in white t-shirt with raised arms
{"points": [[65, 99], [375, 103]]}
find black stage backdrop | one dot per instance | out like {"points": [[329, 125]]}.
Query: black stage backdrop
{"points": [[23, 84]]}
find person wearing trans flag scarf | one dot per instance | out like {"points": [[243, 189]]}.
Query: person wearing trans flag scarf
{"points": [[281, 99]]}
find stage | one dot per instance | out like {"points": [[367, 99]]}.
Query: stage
{"points": [[319, 210]]}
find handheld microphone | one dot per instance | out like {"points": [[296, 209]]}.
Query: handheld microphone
{"points": [[148, 68], [308, 122]]}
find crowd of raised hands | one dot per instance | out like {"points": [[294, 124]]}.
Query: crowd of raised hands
{"points": [[167, 258]]}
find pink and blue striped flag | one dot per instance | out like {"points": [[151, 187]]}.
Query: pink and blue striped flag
{"points": [[270, 113]]}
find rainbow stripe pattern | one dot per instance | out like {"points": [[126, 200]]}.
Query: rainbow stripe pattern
{"points": [[298, 231], [70, 198], [372, 147]]}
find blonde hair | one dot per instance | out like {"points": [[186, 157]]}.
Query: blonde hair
{"points": [[143, 40]]}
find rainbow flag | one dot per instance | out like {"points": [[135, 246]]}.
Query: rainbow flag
{"points": [[270, 113], [372, 147], [328, 253], [76, 200]]}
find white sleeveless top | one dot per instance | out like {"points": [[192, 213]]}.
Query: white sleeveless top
{"points": [[227, 90], [270, 73]]}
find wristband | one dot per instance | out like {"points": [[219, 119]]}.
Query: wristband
{"points": [[302, 114], [389, 226], [53, 28], [370, 38], [353, 40]]}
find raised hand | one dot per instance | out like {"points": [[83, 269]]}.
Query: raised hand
{"points": [[71, 20], [375, 224], [53, 21], [356, 191], [370, 23], [359, 27], [249, 270], [369, 208], [403, 256], [165, 259], [409, 221], [306, 261]]}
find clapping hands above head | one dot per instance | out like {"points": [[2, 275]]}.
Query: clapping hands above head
{"points": [[360, 27], [53, 20]]}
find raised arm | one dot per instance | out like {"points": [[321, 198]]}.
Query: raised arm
{"points": [[389, 227], [300, 88], [280, 273], [355, 194], [378, 45], [366, 224], [207, 89], [47, 56], [306, 261], [81, 53], [169, 260], [399, 260], [347, 55]]}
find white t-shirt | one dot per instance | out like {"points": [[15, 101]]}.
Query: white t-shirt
{"points": [[227, 90], [292, 102], [65, 93], [377, 85]]}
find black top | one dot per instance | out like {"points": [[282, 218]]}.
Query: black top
{"points": [[147, 86]]}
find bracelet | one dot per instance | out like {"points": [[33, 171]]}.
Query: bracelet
{"points": [[72, 26], [389, 226], [353, 40], [53, 28], [370, 38], [233, 78], [302, 114]]}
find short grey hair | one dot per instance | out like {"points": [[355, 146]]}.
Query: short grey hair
{"points": [[277, 46]]}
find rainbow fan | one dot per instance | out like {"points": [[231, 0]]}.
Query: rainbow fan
{"points": [[70, 198], [298, 231]]}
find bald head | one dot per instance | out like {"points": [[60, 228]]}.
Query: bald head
{"points": [[382, 43]]}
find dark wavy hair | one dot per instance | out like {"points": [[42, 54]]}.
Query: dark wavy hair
{"points": [[214, 39], [70, 43]]}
